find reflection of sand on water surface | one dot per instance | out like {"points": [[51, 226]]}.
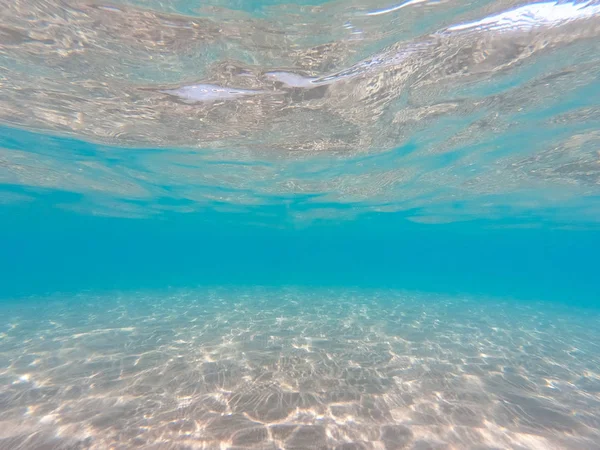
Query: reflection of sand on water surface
{"points": [[296, 369], [448, 106]]}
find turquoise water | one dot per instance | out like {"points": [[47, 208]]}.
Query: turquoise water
{"points": [[311, 225]]}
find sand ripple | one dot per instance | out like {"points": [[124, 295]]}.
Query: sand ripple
{"points": [[297, 369]]}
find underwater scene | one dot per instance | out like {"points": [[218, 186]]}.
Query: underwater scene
{"points": [[311, 224]]}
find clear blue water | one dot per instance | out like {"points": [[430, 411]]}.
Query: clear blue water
{"points": [[323, 224]]}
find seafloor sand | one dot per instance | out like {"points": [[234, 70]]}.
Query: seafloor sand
{"points": [[297, 369]]}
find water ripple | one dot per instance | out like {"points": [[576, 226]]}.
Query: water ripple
{"points": [[492, 107]]}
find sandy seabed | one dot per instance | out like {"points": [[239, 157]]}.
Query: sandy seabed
{"points": [[297, 368]]}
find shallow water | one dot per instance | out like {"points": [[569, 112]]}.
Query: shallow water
{"points": [[298, 368], [318, 225]]}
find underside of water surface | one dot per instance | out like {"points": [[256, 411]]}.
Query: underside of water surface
{"points": [[344, 224], [449, 110]]}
